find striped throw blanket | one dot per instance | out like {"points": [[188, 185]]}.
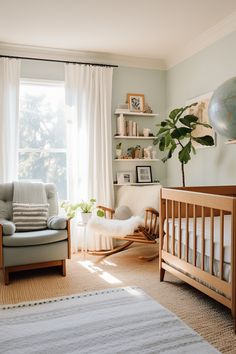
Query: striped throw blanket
{"points": [[28, 217]]}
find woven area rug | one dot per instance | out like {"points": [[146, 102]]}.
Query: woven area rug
{"points": [[121, 320]]}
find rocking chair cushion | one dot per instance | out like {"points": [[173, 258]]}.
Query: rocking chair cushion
{"points": [[122, 213]]}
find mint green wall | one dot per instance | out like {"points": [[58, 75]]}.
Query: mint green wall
{"points": [[202, 73], [152, 84]]}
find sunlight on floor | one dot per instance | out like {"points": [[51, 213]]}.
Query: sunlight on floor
{"points": [[109, 278], [133, 291], [105, 261]]}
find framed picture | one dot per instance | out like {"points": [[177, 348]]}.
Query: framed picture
{"points": [[144, 174], [124, 177], [135, 102], [201, 111]]}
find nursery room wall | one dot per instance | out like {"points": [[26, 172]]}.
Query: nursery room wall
{"points": [[198, 75]]}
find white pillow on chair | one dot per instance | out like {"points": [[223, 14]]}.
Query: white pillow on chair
{"points": [[137, 198], [122, 213]]}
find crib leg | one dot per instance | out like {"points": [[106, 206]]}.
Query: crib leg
{"points": [[162, 274]]}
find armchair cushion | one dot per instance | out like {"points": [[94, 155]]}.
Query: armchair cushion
{"points": [[57, 222], [8, 228], [34, 238]]}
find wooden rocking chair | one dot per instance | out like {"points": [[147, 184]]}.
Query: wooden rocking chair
{"points": [[144, 234]]}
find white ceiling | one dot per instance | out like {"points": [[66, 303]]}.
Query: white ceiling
{"points": [[152, 29]]}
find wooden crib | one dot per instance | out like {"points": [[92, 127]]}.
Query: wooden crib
{"points": [[196, 226]]}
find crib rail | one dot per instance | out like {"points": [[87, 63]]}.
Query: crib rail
{"points": [[192, 206]]}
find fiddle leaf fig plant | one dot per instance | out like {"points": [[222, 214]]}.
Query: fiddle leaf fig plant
{"points": [[177, 132]]}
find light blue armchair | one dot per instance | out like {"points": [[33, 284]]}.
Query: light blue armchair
{"points": [[19, 251]]}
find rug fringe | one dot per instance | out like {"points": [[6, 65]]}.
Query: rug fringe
{"points": [[68, 297]]}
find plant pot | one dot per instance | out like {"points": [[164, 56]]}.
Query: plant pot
{"points": [[85, 217], [118, 153]]}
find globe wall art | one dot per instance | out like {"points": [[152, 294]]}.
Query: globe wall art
{"points": [[222, 109]]}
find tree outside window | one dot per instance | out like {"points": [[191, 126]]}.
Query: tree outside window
{"points": [[42, 134]]}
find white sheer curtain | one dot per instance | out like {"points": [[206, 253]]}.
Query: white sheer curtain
{"points": [[9, 114], [88, 106]]}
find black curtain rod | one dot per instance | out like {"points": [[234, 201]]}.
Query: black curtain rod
{"points": [[58, 61]]}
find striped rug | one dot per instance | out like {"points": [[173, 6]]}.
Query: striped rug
{"points": [[121, 320]]}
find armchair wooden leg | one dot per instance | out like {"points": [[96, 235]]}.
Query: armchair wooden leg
{"points": [[6, 276], [63, 268], [162, 274]]}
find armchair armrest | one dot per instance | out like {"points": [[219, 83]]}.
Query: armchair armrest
{"points": [[109, 212], [8, 227], [57, 222]]}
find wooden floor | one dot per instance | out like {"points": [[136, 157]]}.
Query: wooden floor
{"points": [[210, 319]]}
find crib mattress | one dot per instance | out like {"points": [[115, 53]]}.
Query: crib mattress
{"points": [[216, 262]]}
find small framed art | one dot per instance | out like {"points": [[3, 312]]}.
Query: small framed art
{"points": [[124, 178], [144, 174], [135, 102]]}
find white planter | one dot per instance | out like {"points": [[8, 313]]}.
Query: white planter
{"points": [[118, 153], [85, 217]]}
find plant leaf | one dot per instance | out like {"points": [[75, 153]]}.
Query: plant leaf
{"points": [[206, 140], [184, 154], [188, 120], [174, 113], [162, 144], [180, 132]]}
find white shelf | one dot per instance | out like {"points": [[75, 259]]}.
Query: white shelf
{"points": [[136, 160], [135, 184], [137, 114], [230, 142], [134, 137]]}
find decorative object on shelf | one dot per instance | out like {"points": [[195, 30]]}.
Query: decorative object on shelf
{"points": [[153, 153], [124, 177], [121, 125], [177, 131], [144, 174], [135, 102], [222, 109], [146, 132], [130, 152], [200, 110], [118, 151], [122, 108], [147, 152], [147, 109], [138, 152]]}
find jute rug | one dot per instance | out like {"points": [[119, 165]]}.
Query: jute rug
{"points": [[121, 320], [207, 317]]}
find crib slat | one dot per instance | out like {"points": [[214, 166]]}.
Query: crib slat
{"points": [[167, 227], [180, 230], [203, 238], [187, 231], [221, 243], [173, 226], [194, 235], [212, 242]]}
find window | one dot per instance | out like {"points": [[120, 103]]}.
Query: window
{"points": [[42, 134]]}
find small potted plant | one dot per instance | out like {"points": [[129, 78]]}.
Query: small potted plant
{"points": [[86, 209], [118, 151], [70, 209]]}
